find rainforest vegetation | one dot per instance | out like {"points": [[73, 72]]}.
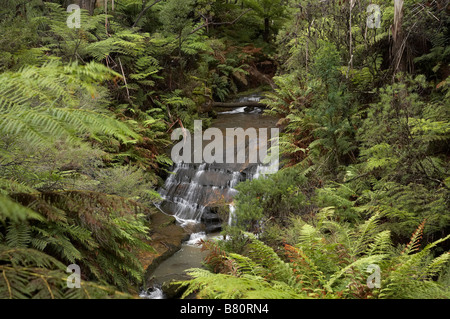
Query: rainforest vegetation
{"points": [[362, 92]]}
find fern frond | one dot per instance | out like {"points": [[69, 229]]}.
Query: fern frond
{"points": [[15, 212], [414, 243], [265, 256], [381, 243], [222, 286], [360, 264], [31, 104], [18, 235]]}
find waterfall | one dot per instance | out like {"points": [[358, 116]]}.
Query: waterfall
{"points": [[154, 293], [232, 215], [195, 193], [245, 109], [263, 170], [196, 238], [192, 193]]}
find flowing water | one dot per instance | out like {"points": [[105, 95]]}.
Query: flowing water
{"points": [[196, 194]]}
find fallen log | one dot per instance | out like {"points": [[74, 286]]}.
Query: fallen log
{"points": [[238, 104]]}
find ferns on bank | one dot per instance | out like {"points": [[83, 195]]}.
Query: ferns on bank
{"points": [[412, 275], [41, 104], [102, 234], [328, 260], [29, 273], [222, 286], [15, 212]]}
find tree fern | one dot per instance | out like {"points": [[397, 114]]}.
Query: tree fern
{"points": [[265, 256], [329, 261], [360, 263], [412, 275], [101, 234], [28, 273], [222, 286], [41, 118]]}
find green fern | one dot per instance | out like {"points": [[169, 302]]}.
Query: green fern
{"points": [[275, 268], [42, 118], [28, 273], [13, 211], [222, 286], [102, 234], [412, 275]]}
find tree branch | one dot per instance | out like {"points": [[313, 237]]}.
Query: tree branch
{"points": [[144, 11], [220, 23], [208, 24]]}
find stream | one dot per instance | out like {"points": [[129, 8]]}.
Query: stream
{"points": [[196, 194]]}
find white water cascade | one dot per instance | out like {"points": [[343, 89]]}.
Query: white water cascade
{"points": [[194, 194]]}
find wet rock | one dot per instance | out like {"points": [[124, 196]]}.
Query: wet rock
{"points": [[213, 228], [192, 228], [209, 217], [172, 289], [212, 222], [166, 239]]}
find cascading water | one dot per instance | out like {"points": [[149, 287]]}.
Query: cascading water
{"points": [[154, 293], [232, 215], [194, 193]]}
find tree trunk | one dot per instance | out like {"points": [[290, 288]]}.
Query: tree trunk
{"points": [[350, 63], [398, 46], [88, 5], [266, 34]]}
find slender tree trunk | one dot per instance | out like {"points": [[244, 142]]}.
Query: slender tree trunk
{"points": [[307, 49], [266, 34], [88, 5], [398, 46], [350, 63]]}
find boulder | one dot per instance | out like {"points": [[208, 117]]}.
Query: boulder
{"points": [[166, 239]]}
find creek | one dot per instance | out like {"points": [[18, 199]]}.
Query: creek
{"points": [[200, 196]]}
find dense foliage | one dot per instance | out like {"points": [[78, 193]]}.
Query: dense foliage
{"points": [[365, 178], [86, 115]]}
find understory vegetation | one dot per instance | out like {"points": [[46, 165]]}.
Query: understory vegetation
{"points": [[86, 116], [365, 177]]}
